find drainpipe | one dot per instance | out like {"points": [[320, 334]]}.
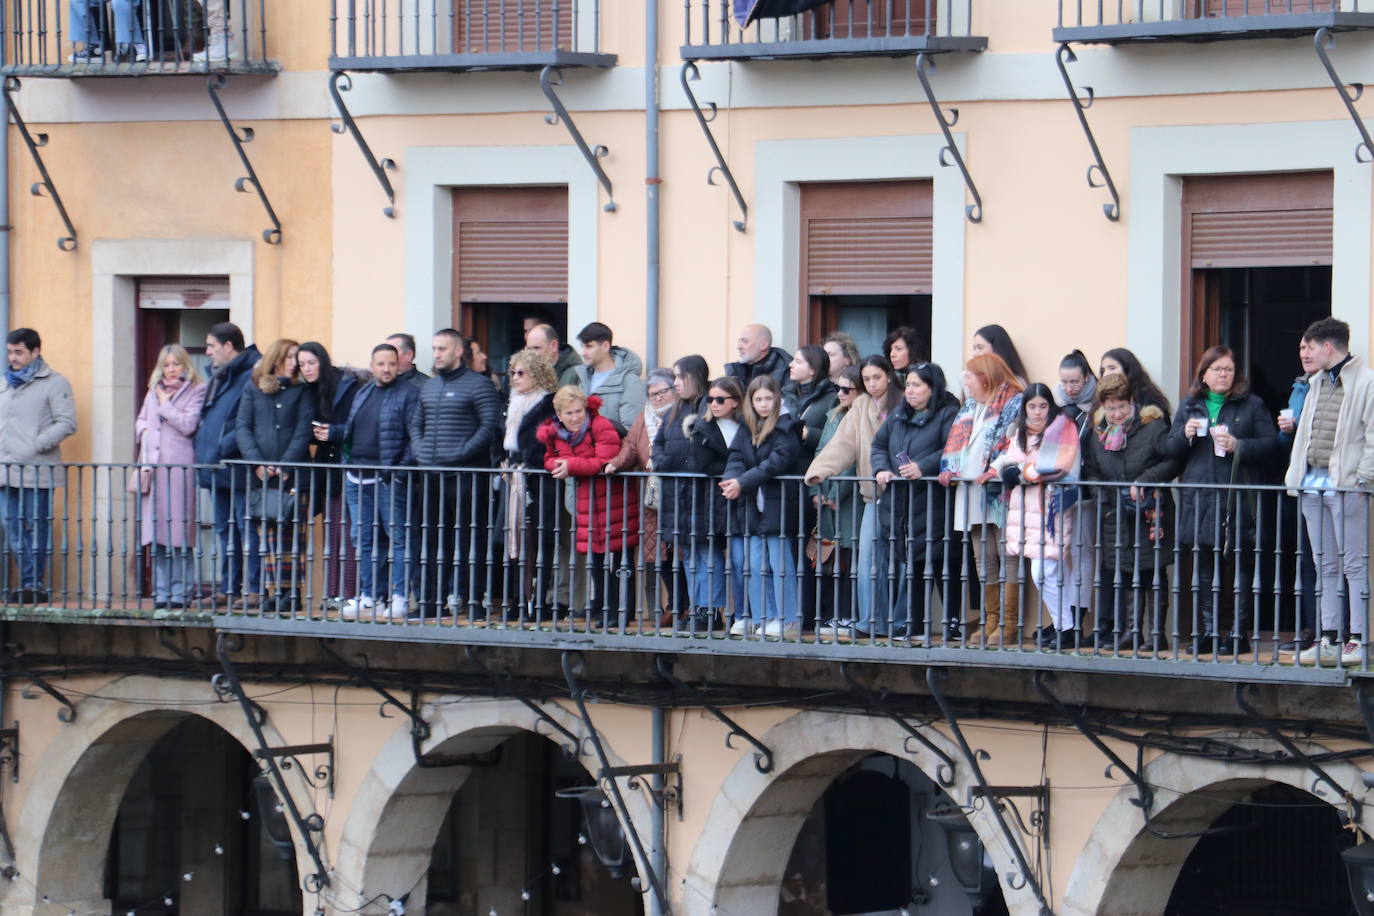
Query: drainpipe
{"points": [[658, 853], [4, 200], [651, 181]]}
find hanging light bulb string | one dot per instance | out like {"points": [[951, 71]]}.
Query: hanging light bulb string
{"points": [[165, 899]]}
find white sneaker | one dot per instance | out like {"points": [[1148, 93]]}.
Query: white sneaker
{"points": [[1324, 651], [740, 627], [776, 629], [835, 628], [1352, 653], [218, 51], [400, 608], [351, 607]]}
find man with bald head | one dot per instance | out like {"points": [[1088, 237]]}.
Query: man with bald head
{"points": [[758, 356], [544, 338]]}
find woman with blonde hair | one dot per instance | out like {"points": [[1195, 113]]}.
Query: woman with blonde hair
{"points": [[273, 429], [977, 439], [164, 434], [531, 505]]}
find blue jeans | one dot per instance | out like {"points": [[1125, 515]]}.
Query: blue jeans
{"points": [[378, 515], [238, 541], [28, 529], [771, 579], [706, 578], [172, 573], [87, 16]]}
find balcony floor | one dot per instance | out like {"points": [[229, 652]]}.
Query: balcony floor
{"points": [[898, 46], [152, 68], [1224, 28], [461, 63]]}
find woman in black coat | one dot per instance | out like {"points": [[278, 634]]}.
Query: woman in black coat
{"points": [[1223, 435], [530, 509], [708, 519], [274, 429], [913, 524], [809, 394], [332, 391], [1131, 526], [766, 448]]}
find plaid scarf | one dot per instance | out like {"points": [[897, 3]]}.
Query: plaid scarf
{"points": [[1003, 407], [1058, 454]]}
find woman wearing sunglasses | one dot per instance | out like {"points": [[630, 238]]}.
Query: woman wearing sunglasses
{"points": [[837, 507]]}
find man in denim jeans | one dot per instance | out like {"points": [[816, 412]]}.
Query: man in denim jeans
{"points": [[36, 414], [1332, 464], [377, 436]]}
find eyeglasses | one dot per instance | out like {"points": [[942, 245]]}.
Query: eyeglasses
{"points": [[715, 400], [518, 373]]}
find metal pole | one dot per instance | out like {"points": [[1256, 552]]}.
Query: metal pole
{"points": [[651, 182], [658, 852], [4, 192]]}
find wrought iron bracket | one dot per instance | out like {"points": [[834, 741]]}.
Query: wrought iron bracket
{"points": [[574, 664], [1039, 818], [689, 73], [194, 656], [1145, 793], [9, 750], [340, 81], [1324, 41], [763, 757], [10, 657], [573, 747], [950, 154], [33, 142], [1353, 805], [321, 777], [306, 825], [944, 773], [1098, 176], [934, 677], [240, 136], [550, 77], [669, 796]]}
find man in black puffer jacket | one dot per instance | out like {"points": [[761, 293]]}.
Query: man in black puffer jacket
{"points": [[456, 425]]}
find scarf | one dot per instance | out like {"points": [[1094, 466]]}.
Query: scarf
{"points": [[573, 439], [1058, 455], [1002, 408], [520, 406], [25, 375], [173, 383], [653, 419]]}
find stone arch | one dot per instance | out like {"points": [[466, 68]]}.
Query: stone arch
{"points": [[1124, 870], [397, 811], [738, 862], [75, 787]]}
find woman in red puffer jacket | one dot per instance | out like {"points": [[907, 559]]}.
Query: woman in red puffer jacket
{"points": [[579, 443]]}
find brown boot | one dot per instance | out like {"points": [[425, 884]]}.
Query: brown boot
{"points": [[991, 633], [1011, 613]]}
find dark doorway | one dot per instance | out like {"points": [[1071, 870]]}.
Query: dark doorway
{"points": [[884, 838], [514, 840], [1282, 855], [868, 319], [193, 809], [500, 327]]}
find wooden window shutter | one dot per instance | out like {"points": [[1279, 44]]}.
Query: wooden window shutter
{"points": [[1258, 220], [867, 238], [510, 244], [511, 26]]}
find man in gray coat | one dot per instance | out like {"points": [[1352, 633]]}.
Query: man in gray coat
{"points": [[36, 414], [612, 374]]}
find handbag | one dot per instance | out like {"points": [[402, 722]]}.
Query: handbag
{"points": [[653, 492], [819, 549], [272, 504], [141, 478]]}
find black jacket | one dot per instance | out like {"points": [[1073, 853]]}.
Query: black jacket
{"points": [[530, 451], [458, 422], [1117, 526], [690, 442], [217, 436], [906, 508], [774, 363], [811, 403], [399, 400], [331, 451], [756, 467], [414, 376], [1200, 522], [275, 428]]}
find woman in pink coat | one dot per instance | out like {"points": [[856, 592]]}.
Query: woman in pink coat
{"points": [[167, 495]]}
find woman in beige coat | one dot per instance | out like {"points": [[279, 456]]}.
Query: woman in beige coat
{"points": [[852, 445]]}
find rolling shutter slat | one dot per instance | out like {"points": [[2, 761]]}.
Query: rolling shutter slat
{"points": [[869, 256], [1262, 238], [511, 245]]}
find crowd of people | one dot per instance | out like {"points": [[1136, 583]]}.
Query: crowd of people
{"points": [[853, 494]]}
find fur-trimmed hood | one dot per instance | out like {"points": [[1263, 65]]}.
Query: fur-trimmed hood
{"points": [[1147, 415]]}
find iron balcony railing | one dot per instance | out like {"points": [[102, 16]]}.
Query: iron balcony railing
{"points": [[75, 38], [465, 35], [1123, 21], [1180, 580], [842, 28]]}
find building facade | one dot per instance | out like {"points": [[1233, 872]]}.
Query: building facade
{"points": [[658, 168]]}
